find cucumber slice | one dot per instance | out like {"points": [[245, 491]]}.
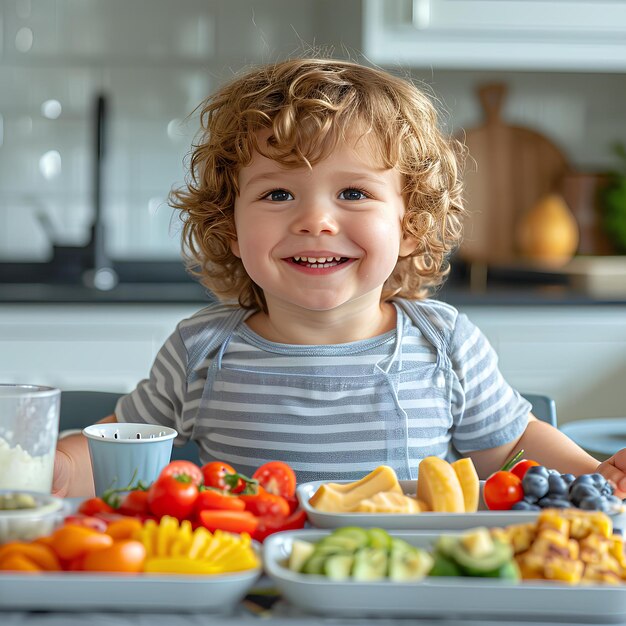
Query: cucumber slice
{"points": [[338, 566], [359, 535], [379, 538], [370, 564]]}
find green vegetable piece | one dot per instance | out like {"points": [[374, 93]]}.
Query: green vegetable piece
{"points": [[359, 535], [379, 538], [338, 566], [315, 564], [444, 566], [409, 565], [370, 564]]}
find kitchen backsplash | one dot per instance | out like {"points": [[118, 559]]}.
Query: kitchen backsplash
{"points": [[155, 60]]}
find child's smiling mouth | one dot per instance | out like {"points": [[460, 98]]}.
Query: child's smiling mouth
{"points": [[322, 262]]}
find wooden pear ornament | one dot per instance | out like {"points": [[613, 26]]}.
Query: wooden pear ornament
{"points": [[548, 232]]}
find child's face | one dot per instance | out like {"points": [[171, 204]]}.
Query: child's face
{"points": [[343, 217]]}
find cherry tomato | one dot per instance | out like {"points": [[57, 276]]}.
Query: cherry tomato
{"points": [[520, 469], [502, 490], [94, 505], [183, 468], [135, 503], [89, 521], [126, 555], [172, 495], [277, 477], [271, 524], [230, 521], [215, 475], [70, 542], [218, 500], [264, 503]]}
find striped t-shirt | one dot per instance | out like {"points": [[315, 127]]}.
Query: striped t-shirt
{"points": [[429, 387]]}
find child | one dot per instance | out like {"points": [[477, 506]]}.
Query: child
{"points": [[324, 200]]}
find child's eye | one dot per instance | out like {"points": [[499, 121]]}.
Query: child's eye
{"points": [[353, 193], [278, 195]]}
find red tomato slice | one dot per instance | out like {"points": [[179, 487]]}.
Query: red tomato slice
{"points": [[277, 477], [230, 521], [172, 495], [135, 503], [270, 524], [264, 503], [182, 469], [214, 499], [520, 469], [502, 490]]}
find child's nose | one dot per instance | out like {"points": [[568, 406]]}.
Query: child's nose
{"points": [[315, 220]]}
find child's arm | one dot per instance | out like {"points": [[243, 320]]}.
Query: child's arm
{"points": [[72, 466], [550, 447]]}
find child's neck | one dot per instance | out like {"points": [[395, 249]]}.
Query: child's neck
{"points": [[304, 327]]}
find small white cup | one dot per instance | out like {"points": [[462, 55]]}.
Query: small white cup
{"points": [[125, 453]]}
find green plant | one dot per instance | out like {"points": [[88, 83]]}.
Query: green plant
{"points": [[613, 201]]}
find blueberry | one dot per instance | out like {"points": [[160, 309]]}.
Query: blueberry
{"points": [[561, 503], [568, 478], [535, 485], [607, 490], [557, 486], [530, 498], [537, 469], [598, 480], [522, 505], [546, 503], [580, 491], [583, 479], [553, 472], [591, 503]]}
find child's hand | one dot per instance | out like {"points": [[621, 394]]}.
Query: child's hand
{"points": [[614, 469]]}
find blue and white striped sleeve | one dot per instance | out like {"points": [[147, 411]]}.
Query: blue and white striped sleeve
{"points": [[159, 399], [487, 412]]}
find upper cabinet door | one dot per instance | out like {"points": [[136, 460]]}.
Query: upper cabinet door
{"points": [[570, 35]]}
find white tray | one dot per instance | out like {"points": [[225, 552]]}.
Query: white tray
{"points": [[467, 598], [70, 591], [417, 521]]}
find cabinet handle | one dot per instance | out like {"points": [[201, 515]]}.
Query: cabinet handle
{"points": [[420, 14]]}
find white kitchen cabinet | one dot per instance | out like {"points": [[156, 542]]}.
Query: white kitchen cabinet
{"points": [[107, 348], [575, 354], [577, 35]]}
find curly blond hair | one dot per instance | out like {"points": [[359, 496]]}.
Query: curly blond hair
{"points": [[309, 105]]}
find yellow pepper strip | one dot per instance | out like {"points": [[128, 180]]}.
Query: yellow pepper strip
{"points": [[166, 533], [177, 548]]}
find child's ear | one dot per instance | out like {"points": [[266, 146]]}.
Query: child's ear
{"points": [[234, 248], [408, 245]]}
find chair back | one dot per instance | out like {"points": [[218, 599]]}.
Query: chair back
{"points": [[544, 407]]}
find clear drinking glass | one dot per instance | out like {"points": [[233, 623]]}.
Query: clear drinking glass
{"points": [[29, 427]]}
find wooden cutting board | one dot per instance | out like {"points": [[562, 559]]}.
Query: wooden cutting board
{"points": [[509, 169]]}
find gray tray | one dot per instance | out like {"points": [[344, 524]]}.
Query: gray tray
{"points": [[69, 591], [418, 521], [467, 598]]}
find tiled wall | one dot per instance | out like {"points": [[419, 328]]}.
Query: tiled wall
{"points": [[156, 60]]}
